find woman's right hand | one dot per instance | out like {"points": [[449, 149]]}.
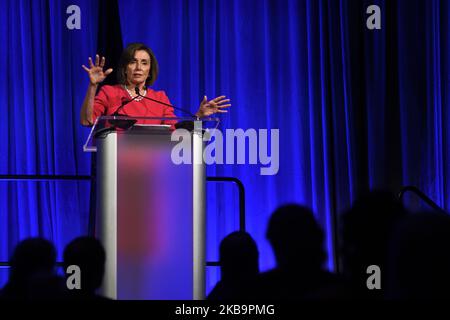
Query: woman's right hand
{"points": [[96, 74]]}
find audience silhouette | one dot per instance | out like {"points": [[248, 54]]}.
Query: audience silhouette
{"points": [[32, 273], [410, 249], [89, 255], [239, 268], [419, 261], [298, 244], [366, 233]]}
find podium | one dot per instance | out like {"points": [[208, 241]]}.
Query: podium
{"points": [[150, 211]]}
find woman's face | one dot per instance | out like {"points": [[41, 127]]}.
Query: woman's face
{"points": [[139, 68]]}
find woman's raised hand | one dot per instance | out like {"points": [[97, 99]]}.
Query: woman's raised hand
{"points": [[216, 105], [95, 71]]}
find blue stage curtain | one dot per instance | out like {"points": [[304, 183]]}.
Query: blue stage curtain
{"points": [[356, 108], [41, 89]]}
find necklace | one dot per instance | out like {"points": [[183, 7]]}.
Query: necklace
{"points": [[131, 94]]}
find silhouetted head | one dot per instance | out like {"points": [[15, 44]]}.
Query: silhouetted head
{"points": [[32, 257], [296, 238], [420, 257], [238, 256], [367, 228], [89, 255]]}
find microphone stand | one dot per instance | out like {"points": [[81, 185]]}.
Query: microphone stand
{"points": [[188, 125], [122, 123]]}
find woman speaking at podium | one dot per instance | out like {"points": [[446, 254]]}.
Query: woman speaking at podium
{"points": [[137, 70]]}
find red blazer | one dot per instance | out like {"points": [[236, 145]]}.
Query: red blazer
{"points": [[110, 98]]}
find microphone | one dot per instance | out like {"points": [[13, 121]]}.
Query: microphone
{"points": [[136, 89], [123, 124], [124, 103]]}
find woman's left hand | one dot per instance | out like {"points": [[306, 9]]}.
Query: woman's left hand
{"points": [[216, 105]]}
